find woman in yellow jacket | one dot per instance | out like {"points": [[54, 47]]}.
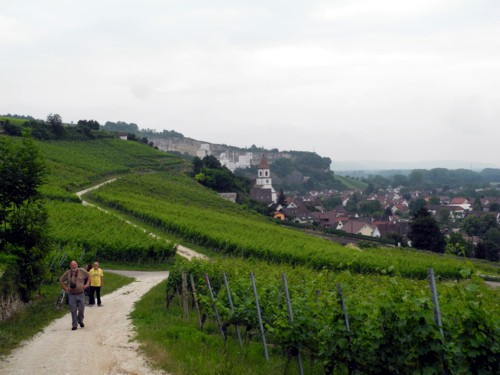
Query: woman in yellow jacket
{"points": [[96, 283]]}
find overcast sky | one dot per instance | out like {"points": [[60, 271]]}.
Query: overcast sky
{"points": [[396, 80]]}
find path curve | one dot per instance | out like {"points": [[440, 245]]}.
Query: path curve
{"points": [[181, 250], [104, 346]]}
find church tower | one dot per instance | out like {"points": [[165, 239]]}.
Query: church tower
{"points": [[263, 189]]}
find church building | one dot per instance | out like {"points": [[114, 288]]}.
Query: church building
{"points": [[263, 190]]}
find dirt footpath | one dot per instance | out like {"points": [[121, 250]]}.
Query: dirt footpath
{"points": [[104, 346]]}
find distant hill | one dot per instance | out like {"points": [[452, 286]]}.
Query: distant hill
{"points": [[377, 165]]}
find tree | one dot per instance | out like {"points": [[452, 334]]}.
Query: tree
{"points": [[495, 207], [477, 205], [472, 225], [416, 178], [492, 244], [370, 207], [89, 124], [23, 220], [86, 127], [11, 129], [369, 189], [399, 180], [352, 204], [425, 233], [488, 222], [197, 165], [56, 125], [416, 205], [434, 200], [211, 162], [331, 202], [281, 198], [456, 245]]}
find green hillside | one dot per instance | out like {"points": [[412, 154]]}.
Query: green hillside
{"points": [[350, 183], [76, 164]]}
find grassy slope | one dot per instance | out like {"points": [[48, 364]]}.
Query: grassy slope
{"points": [[34, 318], [13, 121], [350, 183], [76, 164]]}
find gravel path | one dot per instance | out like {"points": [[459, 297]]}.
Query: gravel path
{"points": [[104, 346]]}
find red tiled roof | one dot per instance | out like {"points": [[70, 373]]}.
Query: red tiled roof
{"points": [[263, 163], [459, 200]]}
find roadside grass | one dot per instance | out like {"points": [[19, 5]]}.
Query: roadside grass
{"points": [[176, 345], [33, 318]]}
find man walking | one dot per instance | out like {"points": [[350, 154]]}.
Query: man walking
{"points": [[96, 282], [73, 282]]}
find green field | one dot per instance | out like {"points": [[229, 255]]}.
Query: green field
{"points": [[350, 183]]}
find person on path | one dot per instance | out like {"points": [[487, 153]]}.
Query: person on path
{"points": [[96, 283], [74, 282]]}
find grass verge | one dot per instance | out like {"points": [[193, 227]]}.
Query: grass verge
{"points": [[176, 345], [41, 312]]}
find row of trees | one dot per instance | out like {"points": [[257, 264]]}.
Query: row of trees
{"points": [[52, 128], [438, 178]]}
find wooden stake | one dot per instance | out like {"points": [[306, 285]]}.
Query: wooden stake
{"points": [[290, 317], [196, 305], [346, 322], [217, 317], [437, 313], [185, 298], [232, 307], [259, 317]]}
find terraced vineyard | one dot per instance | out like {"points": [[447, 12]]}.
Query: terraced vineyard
{"points": [[73, 164], [103, 236], [392, 327], [177, 204], [77, 229]]}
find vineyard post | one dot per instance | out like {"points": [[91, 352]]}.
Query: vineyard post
{"points": [[437, 312], [290, 316], [259, 317], [185, 297], [346, 321], [435, 300], [217, 317], [232, 307], [193, 288]]}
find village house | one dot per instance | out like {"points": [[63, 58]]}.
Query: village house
{"points": [[123, 135], [460, 202], [360, 227]]}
